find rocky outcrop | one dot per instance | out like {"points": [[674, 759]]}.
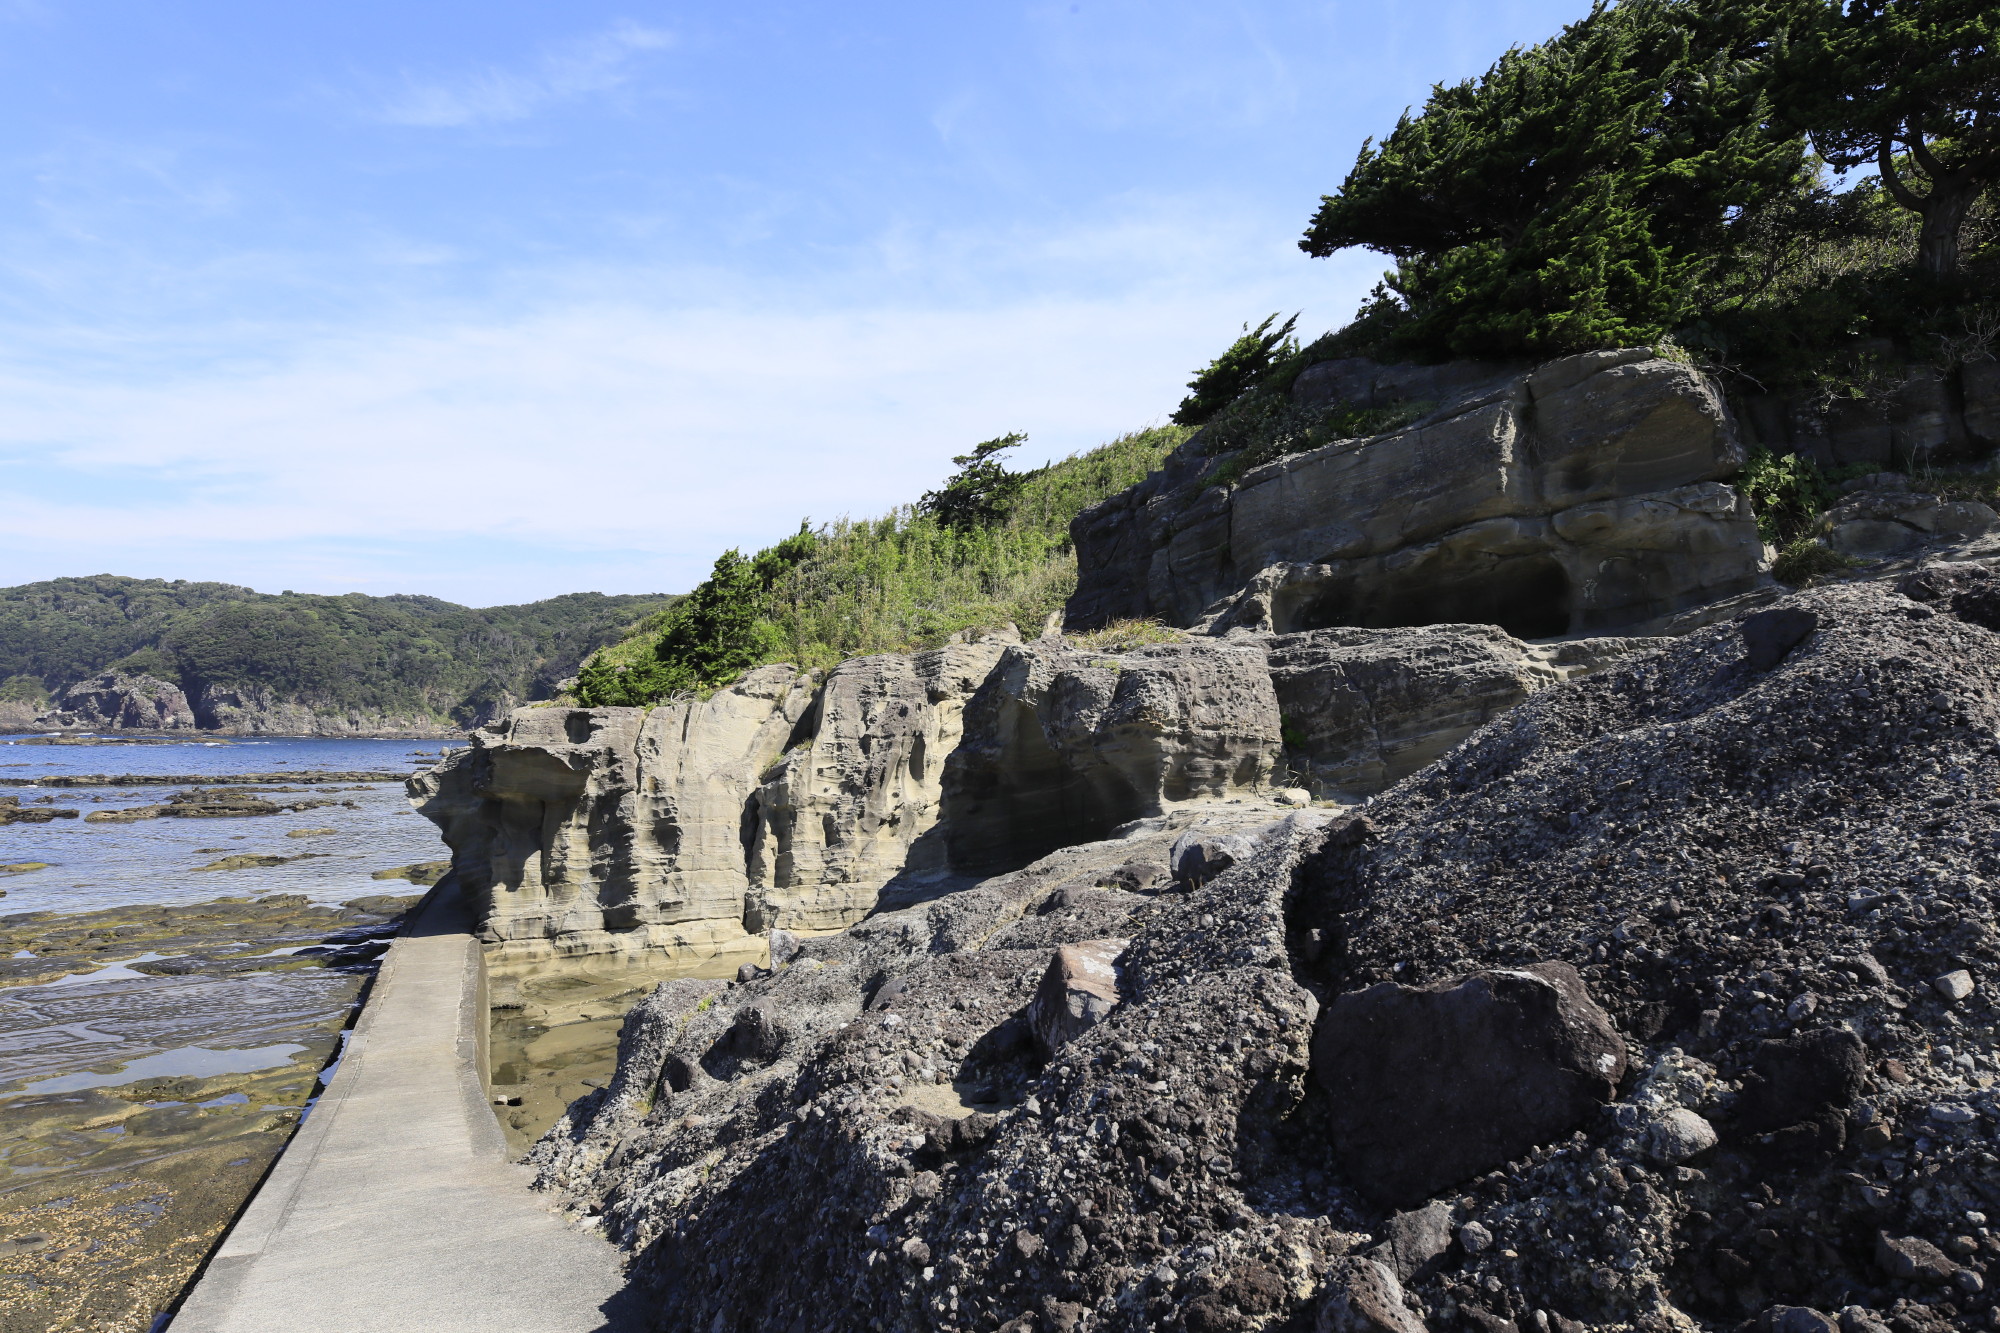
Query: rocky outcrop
{"points": [[113, 700], [790, 803], [117, 701], [1363, 708], [786, 802], [1883, 516], [1761, 881], [1912, 412], [1582, 497], [256, 710], [1063, 746]]}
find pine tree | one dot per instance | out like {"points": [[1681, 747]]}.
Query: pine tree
{"points": [[1912, 88], [1563, 200]]}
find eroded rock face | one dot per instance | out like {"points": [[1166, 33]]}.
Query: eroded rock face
{"points": [[1363, 708], [1581, 497], [1888, 518], [787, 803], [849, 806], [1428, 1086], [615, 830], [112, 700], [1063, 746]]}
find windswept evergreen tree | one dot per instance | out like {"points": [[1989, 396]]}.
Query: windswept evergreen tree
{"points": [[1565, 199]]}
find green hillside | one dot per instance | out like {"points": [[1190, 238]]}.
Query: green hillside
{"points": [[989, 548], [403, 655]]}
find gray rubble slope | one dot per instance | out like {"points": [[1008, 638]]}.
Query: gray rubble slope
{"points": [[1766, 860]]}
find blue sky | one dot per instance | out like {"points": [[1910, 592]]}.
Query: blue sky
{"points": [[496, 301]]}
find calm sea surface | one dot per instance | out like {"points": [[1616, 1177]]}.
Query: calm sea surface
{"points": [[93, 866]]}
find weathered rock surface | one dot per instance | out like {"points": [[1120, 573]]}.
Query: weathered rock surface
{"points": [[1756, 874], [1583, 496], [1062, 747], [784, 802], [1888, 519], [1078, 992], [112, 700], [1363, 708], [1429, 1086]]}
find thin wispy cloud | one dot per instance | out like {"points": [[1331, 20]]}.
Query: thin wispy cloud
{"points": [[587, 66]]}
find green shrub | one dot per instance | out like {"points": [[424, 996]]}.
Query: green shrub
{"points": [[1806, 560], [1243, 365]]}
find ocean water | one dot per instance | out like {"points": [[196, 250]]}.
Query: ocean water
{"points": [[92, 866]]}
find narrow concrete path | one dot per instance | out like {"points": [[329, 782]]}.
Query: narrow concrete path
{"points": [[394, 1208]]}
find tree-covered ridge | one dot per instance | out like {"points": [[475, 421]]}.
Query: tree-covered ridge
{"points": [[403, 655], [990, 547]]}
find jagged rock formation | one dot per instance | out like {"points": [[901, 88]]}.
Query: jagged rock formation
{"points": [[113, 700], [1582, 497], [1062, 747], [692, 827], [1363, 708], [1883, 517], [1767, 850]]}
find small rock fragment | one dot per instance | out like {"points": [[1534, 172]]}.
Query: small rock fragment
{"points": [[1414, 1242], [785, 947], [1913, 1259], [1362, 1296], [1079, 991], [1679, 1135], [1954, 986], [1474, 1238]]}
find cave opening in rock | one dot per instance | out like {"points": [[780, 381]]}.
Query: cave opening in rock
{"points": [[1026, 802], [1528, 596]]}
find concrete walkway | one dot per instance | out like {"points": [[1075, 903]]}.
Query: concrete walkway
{"points": [[394, 1208]]}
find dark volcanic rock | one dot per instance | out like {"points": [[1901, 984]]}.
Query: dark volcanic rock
{"points": [[1428, 1086]]}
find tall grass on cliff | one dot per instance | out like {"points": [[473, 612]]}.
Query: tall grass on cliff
{"points": [[990, 548]]}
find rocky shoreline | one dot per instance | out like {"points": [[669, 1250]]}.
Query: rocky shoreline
{"points": [[127, 1150], [1300, 964]]}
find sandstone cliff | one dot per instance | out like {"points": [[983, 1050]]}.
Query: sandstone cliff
{"points": [[1581, 497], [794, 803]]}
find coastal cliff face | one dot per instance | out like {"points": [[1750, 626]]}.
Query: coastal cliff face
{"points": [[1581, 497], [117, 701]]}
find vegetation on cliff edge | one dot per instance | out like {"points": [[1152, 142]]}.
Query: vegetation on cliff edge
{"points": [[991, 547]]}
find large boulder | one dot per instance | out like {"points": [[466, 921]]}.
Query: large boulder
{"points": [[1584, 496], [1428, 1086]]}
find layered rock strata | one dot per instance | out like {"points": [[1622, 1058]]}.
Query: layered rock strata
{"points": [[1756, 865], [787, 802], [1582, 497]]}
